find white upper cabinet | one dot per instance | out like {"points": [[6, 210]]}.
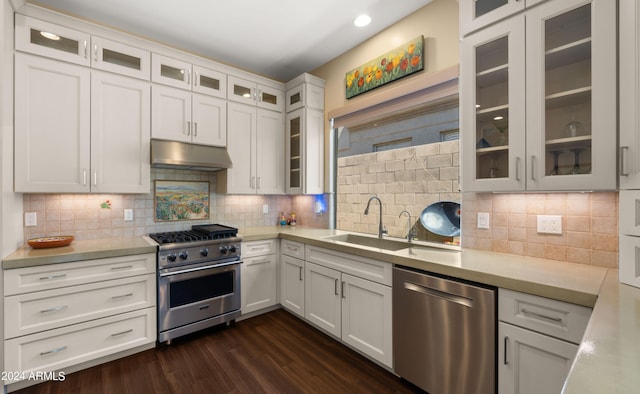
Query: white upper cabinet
{"points": [[256, 145], [305, 95], [118, 58], [629, 96], [178, 115], [184, 75], [120, 134], [52, 126], [79, 131], [477, 14], [553, 126], [253, 93], [73, 46], [47, 39]]}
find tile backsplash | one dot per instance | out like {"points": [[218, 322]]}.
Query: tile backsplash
{"points": [[589, 225], [83, 216]]}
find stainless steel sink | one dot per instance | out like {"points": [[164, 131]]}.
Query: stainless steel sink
{"points": [[386, 244]]}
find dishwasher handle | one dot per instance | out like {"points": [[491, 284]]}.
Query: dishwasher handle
{"points": [[464, 301]]}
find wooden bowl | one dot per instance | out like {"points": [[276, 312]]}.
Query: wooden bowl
{"points": [[50, 242]]}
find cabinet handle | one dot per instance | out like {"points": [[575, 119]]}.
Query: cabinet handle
{"points": [[259, 95], [123, 267], [54, 309], [85, 48], [95, 177], [95, 52], [255, 94], [252, 182], [122, 332], [300, 273], [84, 176], [623, 168], [541, 316], [506, 343], [195, 129], [342, 289], [258, 183], [50, 277], [188, 127], [57, 350], [518, 168], [121, 296], [335, 287], [533, 167], [196, 78]]}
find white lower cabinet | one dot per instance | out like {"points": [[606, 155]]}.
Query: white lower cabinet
{"points": [[538, 341], [292, 284], [62, 315], [258, 275], [350, 297], [531, 362]]}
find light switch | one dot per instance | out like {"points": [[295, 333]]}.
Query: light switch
{"points": [[483, 220], [30, 219]]}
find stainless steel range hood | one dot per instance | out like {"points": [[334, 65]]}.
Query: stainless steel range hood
{"points": [[179, 155]]}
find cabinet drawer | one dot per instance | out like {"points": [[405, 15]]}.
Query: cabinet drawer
{"points": [[52, 276], [63, 347], [377, 271], [45, 310], [259, 248], [551, 317], [292, 248]]}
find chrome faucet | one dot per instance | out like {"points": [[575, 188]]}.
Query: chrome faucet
{"points": [[410, 229], [381, 229]]}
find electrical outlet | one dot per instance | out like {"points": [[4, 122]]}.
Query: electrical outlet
{"points": [[549, 224], [483, 220], [265, 208], [128, 215]]}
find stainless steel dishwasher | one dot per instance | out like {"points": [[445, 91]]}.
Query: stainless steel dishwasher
{"points": [[444, 333]]}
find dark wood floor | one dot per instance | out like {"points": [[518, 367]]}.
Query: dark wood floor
{"points": [[271, 353]]}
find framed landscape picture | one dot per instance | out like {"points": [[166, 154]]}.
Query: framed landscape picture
{"points": [[181, 200]]}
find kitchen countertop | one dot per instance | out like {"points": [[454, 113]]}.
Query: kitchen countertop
{"points": [[27, 256], [608, 358]]}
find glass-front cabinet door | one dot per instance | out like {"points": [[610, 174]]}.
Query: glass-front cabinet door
{"points": [[493, 108], [119, 58], [475, 14], [47, 39], [571, 96]]}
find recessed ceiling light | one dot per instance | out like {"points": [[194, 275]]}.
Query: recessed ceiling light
{"points": [[50, 36], [498, 118], [362, 20]]}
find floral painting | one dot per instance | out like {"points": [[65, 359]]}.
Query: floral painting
{"points": [[181, 200], [393, 65]]}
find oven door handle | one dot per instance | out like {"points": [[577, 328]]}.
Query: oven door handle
{"points": [[207, 267]]}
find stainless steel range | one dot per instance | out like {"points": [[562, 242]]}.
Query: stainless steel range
{"points": [[198, 279]]}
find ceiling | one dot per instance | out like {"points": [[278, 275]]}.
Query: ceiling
{"points": [[277, 38]]}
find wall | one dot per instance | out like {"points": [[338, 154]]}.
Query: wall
{"points": [[81, 215], [404, 179], [589, 225], [437, 22]]}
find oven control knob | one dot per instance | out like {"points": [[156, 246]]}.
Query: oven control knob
{"points": [[223, 249], [204, 252], [183, 255], [171, 257], [232, 248]]}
